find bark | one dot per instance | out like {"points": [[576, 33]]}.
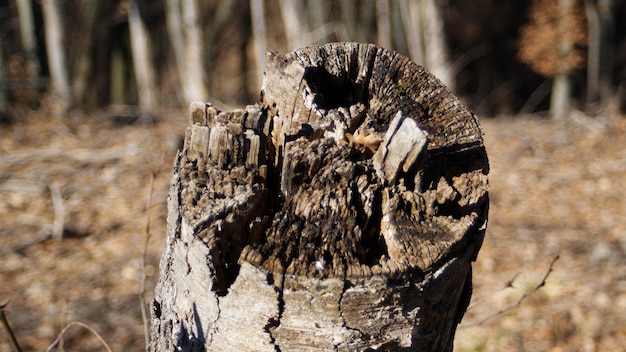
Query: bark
{"points": [[342, 212]]}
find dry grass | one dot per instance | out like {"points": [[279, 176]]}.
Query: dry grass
{"points": [[556, 188]]}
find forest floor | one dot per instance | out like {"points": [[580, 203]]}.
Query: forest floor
{"points": [[556, 189]]}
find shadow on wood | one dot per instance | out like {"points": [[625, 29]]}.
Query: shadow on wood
{"points": [[341, 212]]}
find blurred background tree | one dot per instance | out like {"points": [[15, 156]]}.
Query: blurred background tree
{"points": [[552, 43], [500, 57]]}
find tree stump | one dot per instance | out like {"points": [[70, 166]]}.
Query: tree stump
{"points": [[342, 212]]}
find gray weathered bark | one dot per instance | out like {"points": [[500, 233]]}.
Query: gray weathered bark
{"points": [[342, 212]]}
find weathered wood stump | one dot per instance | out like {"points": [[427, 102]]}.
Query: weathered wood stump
{"points": [[342, 212]]}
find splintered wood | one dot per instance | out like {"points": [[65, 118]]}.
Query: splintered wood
{"points": [[341, 212]]}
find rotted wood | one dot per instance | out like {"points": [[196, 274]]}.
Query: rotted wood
{"points": [[341, 212]]}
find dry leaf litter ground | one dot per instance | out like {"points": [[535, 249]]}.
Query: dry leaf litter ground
{"points": [[557, 188]]}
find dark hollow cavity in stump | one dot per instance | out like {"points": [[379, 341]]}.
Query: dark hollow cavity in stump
{"points": [[346, 206]]}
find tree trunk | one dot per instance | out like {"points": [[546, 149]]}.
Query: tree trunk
{"points": [[186, 39], [177, 41], [561, 86], [259, 40], [607, 51], [82, 51], [343, 212], [426, 43], [383, 26], [142, 61], [4, 92], [357, 19], [295, 23], [436, 53], [412, 22], [60, 87], [593, 51], [29, 43]]}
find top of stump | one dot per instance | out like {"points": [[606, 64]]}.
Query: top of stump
{"points": [[337, 210]]}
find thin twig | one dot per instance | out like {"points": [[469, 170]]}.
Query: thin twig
{"points": [[7, 327], [519, 301], [507, 284], [56, 341]]}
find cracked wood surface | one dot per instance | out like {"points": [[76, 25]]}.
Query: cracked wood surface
{"points": [[341, 212]]}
